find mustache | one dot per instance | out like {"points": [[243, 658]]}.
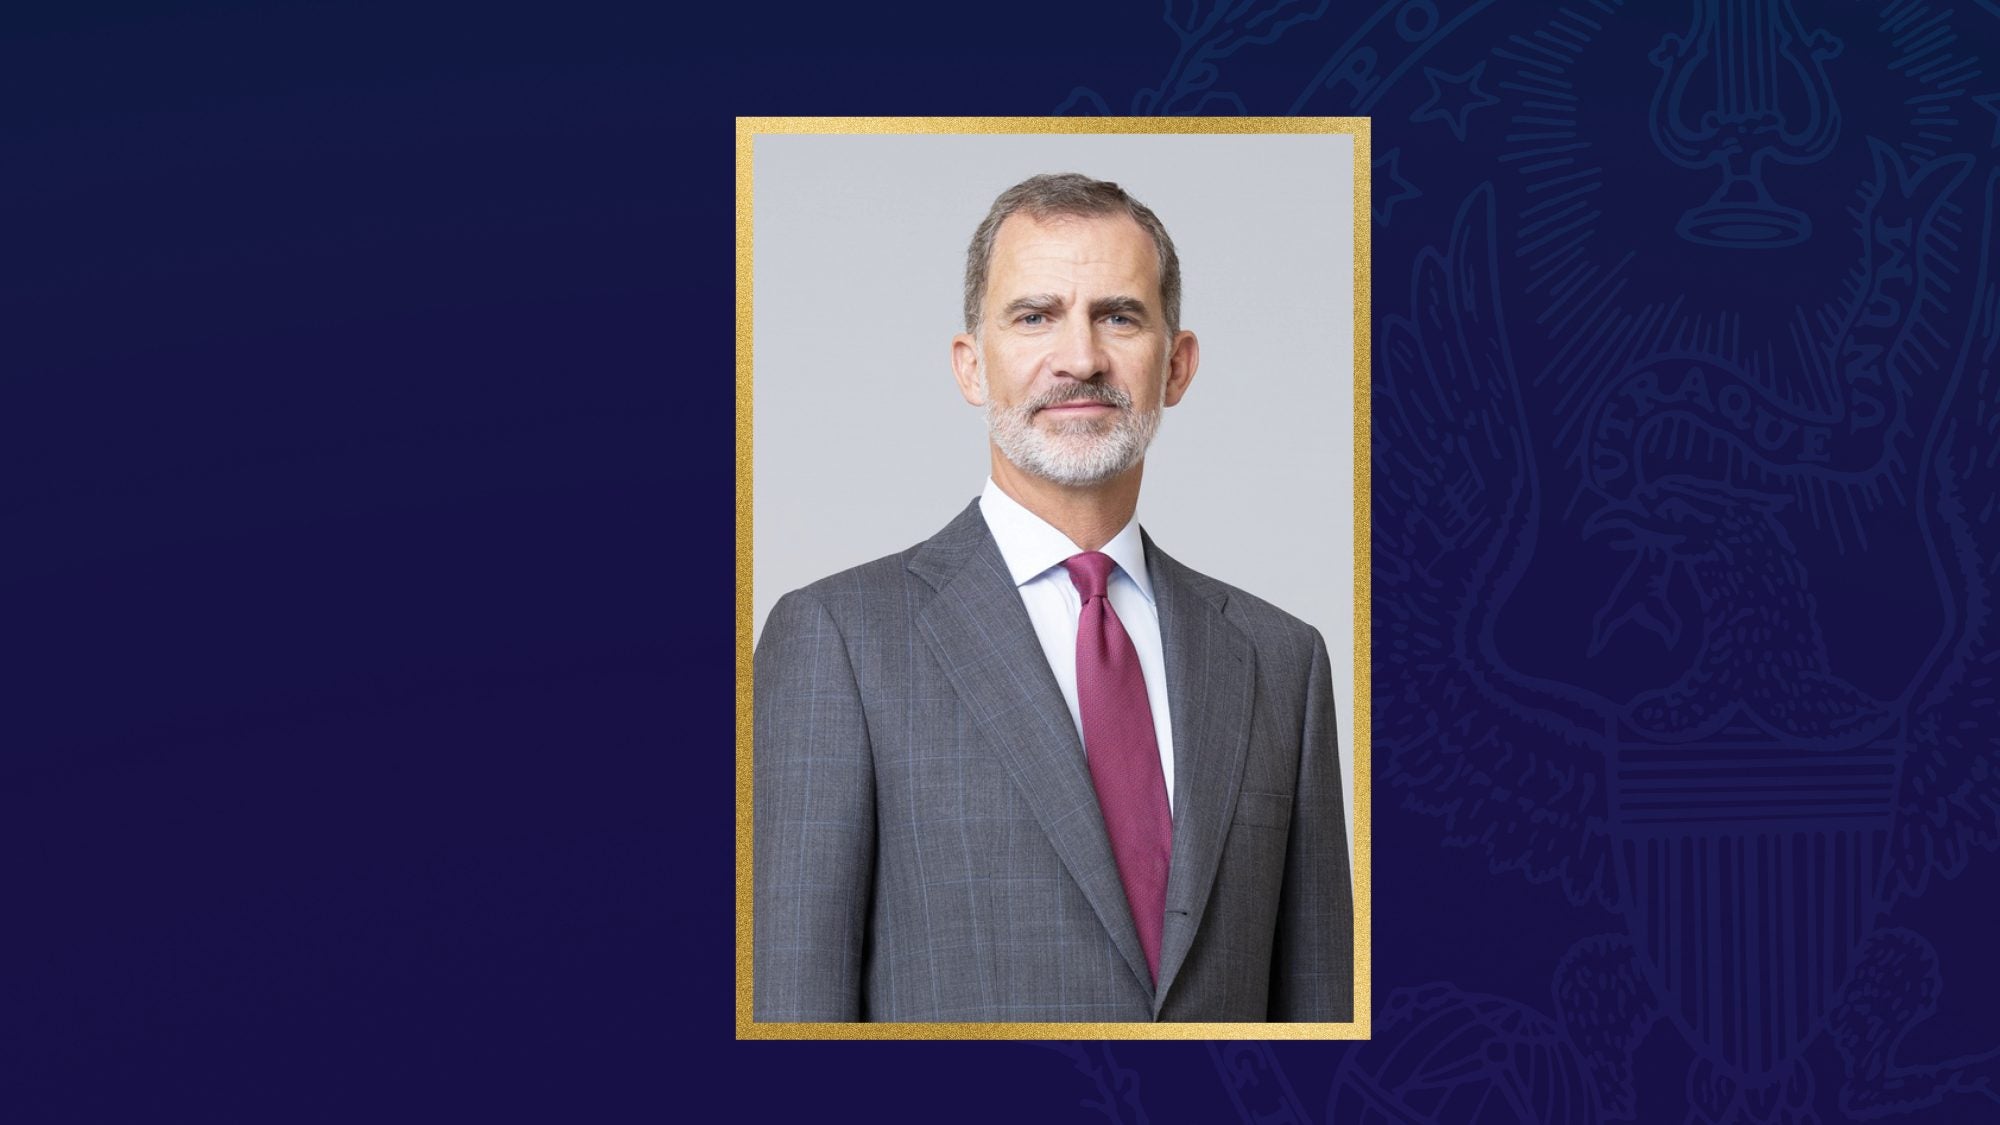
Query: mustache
{"points": [[1080, 392]]}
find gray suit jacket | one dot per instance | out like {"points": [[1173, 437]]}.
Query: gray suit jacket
{"points": [[928, 842]]}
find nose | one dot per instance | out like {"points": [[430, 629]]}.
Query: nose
{"points": [[1076, 351]]}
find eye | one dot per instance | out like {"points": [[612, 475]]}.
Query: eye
{"points": [[1118, 320], [1033, 319]]}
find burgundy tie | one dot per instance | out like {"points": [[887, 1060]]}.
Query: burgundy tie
{"points": [[1123, 753]]}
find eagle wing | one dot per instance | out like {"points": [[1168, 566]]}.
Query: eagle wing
{"points": [[1513, 766], [1948, 799]]}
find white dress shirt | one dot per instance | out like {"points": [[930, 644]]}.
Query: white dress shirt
{"points": [[1034, 552]]}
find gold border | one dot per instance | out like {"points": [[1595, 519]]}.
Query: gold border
{"points": [[747, 130]]}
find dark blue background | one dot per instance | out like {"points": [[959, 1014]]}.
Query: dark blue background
{"points": [[368, 572]]}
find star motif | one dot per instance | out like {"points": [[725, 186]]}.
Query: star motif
{"points": [[1455, 106], [1991, 104], [1389, 165]]}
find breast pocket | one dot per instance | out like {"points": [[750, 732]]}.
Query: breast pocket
{"points": [[1264, 810]]}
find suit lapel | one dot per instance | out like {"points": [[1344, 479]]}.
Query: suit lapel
{"points": [[1211, 672], [980, 633]]}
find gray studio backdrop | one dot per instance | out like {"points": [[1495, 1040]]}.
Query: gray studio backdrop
{"points": [[863, 446]]}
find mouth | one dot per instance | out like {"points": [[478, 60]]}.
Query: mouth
{"points": [[1607, 523], [1082, 402], [1620, 517]]}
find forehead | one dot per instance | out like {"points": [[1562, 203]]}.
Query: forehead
{"points": [[1069, 251]]}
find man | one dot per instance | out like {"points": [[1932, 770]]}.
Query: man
{"points": [[1033, 768]]}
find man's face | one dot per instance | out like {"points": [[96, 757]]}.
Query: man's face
{"points": [[1073, 362]]}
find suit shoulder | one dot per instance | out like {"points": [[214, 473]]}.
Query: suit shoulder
{"points": [[889, 570], [845, 594], [1268, 617], [894, 579], [1273, 629]]}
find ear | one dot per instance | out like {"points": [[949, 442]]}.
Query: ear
{"points": [[1181, 363], [965, 367]]}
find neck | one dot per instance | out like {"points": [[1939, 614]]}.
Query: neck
{"points": [[1089, 514]]}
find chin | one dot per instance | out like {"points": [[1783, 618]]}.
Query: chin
{"points": [[1077, 452], [1079, 467]]}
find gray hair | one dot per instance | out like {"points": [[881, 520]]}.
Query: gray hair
{"points": [[1068, 194]]}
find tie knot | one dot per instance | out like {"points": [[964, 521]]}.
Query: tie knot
{"points": [[1091, 573]]}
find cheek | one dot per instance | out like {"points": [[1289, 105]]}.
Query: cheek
{"points": [[1009, 371], [1146, 371], [1143, 355]]}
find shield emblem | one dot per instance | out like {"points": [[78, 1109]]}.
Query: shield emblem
{"points": [[1751, 871]]}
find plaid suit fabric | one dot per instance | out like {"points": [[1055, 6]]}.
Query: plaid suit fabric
{"points": [[928, 841]]}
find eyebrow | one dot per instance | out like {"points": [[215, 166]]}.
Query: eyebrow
{"points": [[1128, 306], [1038, 302], [1050, 302]]}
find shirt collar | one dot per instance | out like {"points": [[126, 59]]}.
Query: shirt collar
{"points": [[1031, 546]]}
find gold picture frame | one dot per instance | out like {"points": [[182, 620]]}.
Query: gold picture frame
{"points": [[748, 130]]}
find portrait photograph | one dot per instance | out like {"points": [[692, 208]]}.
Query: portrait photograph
{"points": [[1051, 578]]}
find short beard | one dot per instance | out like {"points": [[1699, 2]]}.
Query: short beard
{"points": [[1075, 452]]}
